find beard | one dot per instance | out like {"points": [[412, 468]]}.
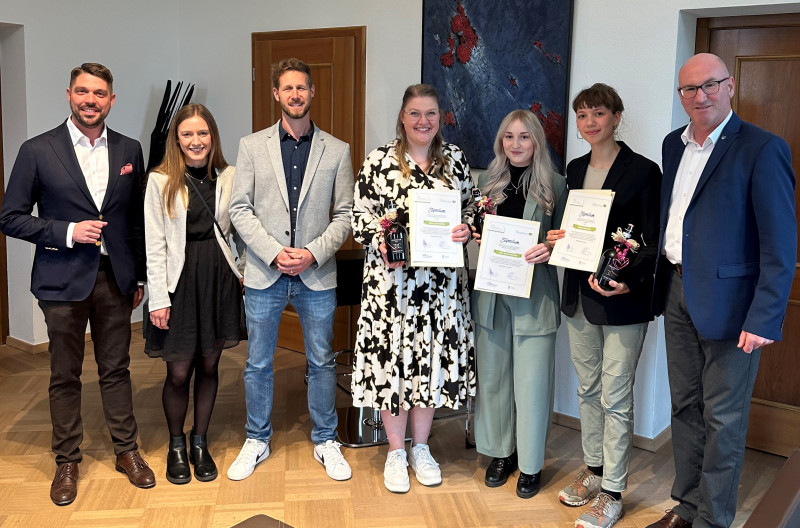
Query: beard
{"points": [[294, 112], [97, 121]]}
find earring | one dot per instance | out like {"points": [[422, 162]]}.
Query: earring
{"points": [[579, 135]]}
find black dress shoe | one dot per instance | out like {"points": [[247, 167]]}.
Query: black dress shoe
{"points": [[178, 470], [528, 485], [204, 467], [500, 468]]}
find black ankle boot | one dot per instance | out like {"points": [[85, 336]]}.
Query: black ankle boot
{"points": [[499, 470], [178, 471], [204, 467], [528, 485]]}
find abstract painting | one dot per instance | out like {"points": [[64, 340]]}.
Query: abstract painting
{"points": [[489, 58]]}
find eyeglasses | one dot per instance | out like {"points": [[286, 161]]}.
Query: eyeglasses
{"points": [[430, 115], [709, 87]]}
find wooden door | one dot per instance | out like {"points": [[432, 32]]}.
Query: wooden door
{"points": [[337, 58], [763, 55]]}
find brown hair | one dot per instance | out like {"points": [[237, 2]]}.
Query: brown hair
{"points": [[173, 165], [92, 68], [598, 94], [435, 150], [289, 65]]}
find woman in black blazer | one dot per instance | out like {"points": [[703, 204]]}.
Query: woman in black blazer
{"points": [[606, 329]]}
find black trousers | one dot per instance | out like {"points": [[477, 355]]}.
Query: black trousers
{"points": [[109, 312]]}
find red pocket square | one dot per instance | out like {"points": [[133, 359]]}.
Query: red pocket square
{"points": [[127, 169]]}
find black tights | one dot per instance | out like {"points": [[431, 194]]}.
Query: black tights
{"points": [[175, 395]]}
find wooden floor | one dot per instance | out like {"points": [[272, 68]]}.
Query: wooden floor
{"points": [[290, 485]]}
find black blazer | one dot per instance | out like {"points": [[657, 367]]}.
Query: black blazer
{"points": [[46, 174], [636, 182]]}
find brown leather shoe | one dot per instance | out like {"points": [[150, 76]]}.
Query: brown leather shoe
{"points": [[139, 473], [671, 520], [64, 488]]}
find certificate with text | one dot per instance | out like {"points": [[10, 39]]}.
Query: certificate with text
{"points": [[584, 223], [502, 267], [433, 216]]}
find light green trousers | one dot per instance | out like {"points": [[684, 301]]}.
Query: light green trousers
{"points": [[514, 403]]}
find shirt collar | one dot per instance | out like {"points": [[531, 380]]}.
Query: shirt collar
{"points": [[688, 132], [76, 135], [284, 135]]}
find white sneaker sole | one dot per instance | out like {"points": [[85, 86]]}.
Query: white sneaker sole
{"points": [[394, 488], [260, 459], [429, 481], [334, 477], [566, 499]]}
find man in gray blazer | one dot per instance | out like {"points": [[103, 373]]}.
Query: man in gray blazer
{"points": [[291, 203]]}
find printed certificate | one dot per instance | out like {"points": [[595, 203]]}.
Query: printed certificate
{"points": [[502, 267], [433, 216], [584, 223]]}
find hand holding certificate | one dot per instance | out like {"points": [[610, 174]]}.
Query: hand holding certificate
{"points": [[584, 226], [502, 267], [434, 215]]}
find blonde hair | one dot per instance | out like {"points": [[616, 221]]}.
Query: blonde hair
{"points": [[174, 164], [537, 177], [439, 164]]}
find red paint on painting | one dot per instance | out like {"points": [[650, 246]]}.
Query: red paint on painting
{"points": [[448, 119], [461, 28], [553, 124]]}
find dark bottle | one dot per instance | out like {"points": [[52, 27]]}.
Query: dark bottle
{"points": [[477, 220], [396, 238], [612, 261]]}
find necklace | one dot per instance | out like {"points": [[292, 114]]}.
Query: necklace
{"points": [[517, 186], [198, 180]]}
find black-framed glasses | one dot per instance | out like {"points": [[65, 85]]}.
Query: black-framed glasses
{"points": [[708, 87], [430, 115]]}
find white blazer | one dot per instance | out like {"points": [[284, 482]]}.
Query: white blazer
{"points": [[165, 237]]}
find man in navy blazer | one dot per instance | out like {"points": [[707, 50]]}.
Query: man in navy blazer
{"points": [[728, 247], [86, 182]]}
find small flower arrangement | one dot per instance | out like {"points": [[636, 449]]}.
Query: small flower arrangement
{"points": [[485, 205], [388, 222], [625, 243]]}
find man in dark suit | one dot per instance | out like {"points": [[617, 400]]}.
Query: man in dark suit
{"points": [[728, 248], [86, 182]]}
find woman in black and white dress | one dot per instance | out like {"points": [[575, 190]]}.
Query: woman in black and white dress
{"points": [[414, 348], [193, 279]]}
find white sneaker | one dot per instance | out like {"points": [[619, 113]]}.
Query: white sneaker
{"points": [[330, 456], [395, 472], [253, 452], [425, 467]]}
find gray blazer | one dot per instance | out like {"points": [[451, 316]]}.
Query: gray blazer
{"points": [[260, 206], [165, 237]]}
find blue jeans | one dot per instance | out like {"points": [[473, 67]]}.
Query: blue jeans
{"points": [[316, 310]]}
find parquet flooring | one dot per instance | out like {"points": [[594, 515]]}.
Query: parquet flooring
{"points": [[290, 485]]}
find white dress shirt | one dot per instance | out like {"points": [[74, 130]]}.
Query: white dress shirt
{"points": [[93, 160], [693, 161]]}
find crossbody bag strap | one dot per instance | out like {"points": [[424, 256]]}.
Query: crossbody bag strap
{"points": [[205, 204]]}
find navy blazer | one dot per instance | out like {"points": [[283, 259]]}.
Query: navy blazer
{"points": [[636, 182], [739, 234], [46, 174]]}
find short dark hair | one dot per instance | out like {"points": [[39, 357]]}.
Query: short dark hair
{"points": [[289, 65], [93, 68], [598, 94]]}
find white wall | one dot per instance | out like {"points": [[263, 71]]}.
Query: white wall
{"points": [[636, 47]]}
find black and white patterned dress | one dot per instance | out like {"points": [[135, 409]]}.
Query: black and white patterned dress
{"points": [[415, 341]]}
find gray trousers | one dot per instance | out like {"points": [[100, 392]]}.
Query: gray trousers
{"points": [[514, 403], [711, 383], [605, 359]]}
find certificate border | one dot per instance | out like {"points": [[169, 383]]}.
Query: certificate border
{"points": [[487, 223], [420, 263]]}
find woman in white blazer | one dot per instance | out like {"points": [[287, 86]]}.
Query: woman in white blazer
{"points": [[194, 281]]}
